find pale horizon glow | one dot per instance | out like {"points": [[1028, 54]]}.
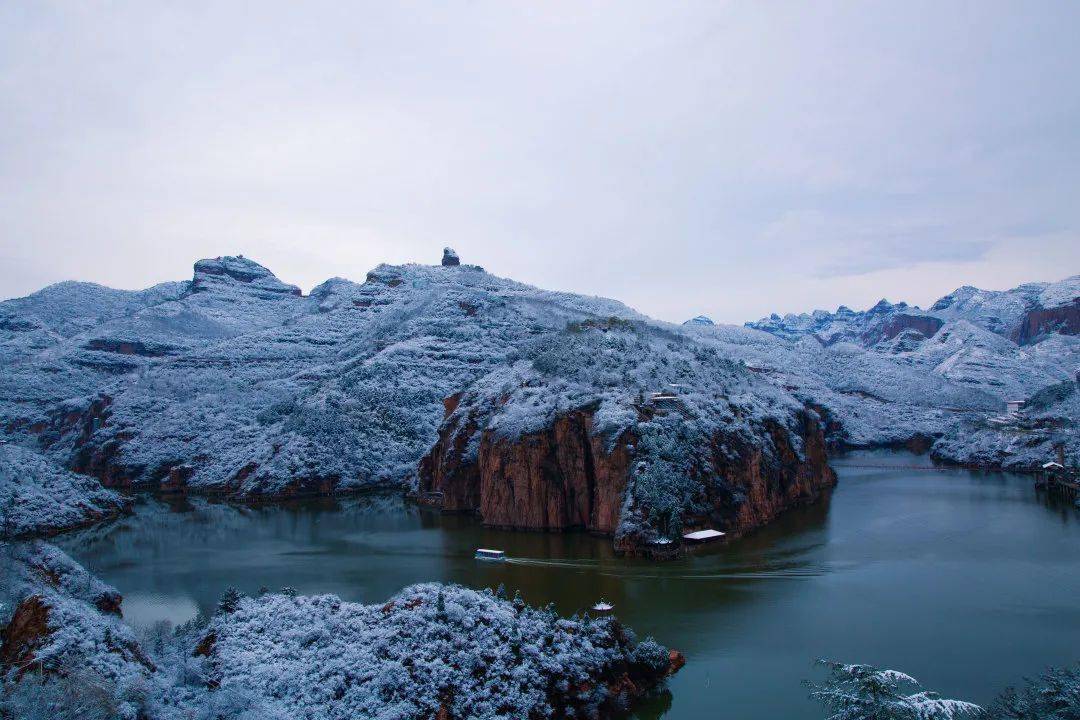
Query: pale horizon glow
{"points": [[724, 159]]}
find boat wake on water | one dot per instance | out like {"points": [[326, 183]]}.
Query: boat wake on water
{"points": [[607, 569], [571, 564]]}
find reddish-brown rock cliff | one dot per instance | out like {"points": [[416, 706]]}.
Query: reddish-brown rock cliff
{"points": [[566, 476], [562, 477], [1064, 320]]}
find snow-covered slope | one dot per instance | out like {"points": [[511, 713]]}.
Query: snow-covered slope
{"points": [[644, 430], [38, 497], [431, 651], [1023, 314]]}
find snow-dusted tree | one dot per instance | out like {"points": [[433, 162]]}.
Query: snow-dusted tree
{"points": [[651, 655], [440, 607], [229, 601], [80, 694], [1054, 696], [862, 692]]}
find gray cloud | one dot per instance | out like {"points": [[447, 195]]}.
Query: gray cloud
{"points": [[725, 158]]}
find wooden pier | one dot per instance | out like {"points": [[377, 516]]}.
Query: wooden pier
{"points": [[1060, 480], [1068, 488]]}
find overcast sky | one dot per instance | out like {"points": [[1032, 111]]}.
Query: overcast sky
{"points": [[731, 159]]}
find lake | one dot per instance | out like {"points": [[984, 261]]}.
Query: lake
{"points": [[966, 580]]}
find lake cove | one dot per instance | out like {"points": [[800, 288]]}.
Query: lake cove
{"points": [[966, 580]]}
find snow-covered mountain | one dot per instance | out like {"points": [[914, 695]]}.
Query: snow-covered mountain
{"points": [[987, 346], [881, 323], [530, 407], [1024, 315]]}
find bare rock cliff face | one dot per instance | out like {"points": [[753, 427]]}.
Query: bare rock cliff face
{"points": [[926, 325], [567, 477], [560, 478], [1036, 323], [769, 484]]}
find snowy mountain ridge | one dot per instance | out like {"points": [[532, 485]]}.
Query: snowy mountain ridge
{"points": [[234, 382], [1024, 314]]}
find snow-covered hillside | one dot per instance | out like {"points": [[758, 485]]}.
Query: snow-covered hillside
{"points": [[38, 497], [242, 384]]}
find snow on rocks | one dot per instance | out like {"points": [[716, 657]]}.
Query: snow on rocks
{"points": [[938, 388], [63, 620], [234, 382], [267, 392], [449, 257], [881, 323]]}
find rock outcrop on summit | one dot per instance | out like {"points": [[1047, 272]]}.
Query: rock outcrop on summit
{"points": [[450, 258]]}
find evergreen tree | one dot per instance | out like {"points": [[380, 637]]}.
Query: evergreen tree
{"points": [[1054, 696], [8, 528], [229, 601], [440, 606], [862, 692]]}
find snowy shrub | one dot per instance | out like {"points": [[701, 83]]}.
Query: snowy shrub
{"points": [[862, 692], [650, 655], [73, 695], [1053, 696]]}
